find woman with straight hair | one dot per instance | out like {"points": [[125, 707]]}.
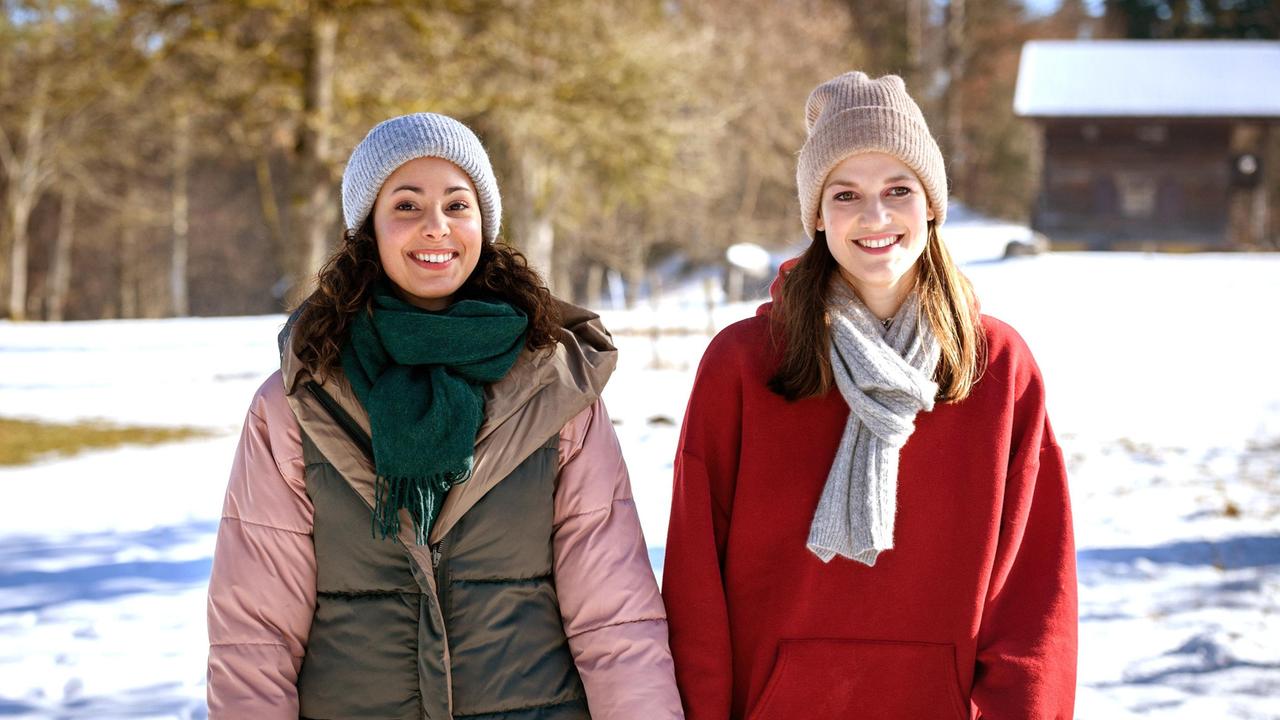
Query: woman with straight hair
{"points": [[871, 516], [429, 515]]}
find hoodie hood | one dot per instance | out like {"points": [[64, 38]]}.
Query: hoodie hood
{"points": [[775, 288]]}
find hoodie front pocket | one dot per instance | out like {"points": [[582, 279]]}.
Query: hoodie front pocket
{"points": [[885, 680]]}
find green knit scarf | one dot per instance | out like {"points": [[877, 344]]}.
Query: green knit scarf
{"points": [[421, 377]]}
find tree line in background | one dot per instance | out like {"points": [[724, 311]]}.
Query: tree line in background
{"points": [[161, 158]]}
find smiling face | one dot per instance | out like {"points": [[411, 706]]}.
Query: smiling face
{"points": [[875, 215], [427, 223]]}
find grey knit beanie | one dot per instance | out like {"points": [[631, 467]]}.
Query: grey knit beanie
{"points": [[852, 114], [395, 142]]}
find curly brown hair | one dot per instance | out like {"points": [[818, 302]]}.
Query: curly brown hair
{"points": [[343, 288]]}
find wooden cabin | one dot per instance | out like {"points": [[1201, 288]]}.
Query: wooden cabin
{"points": [[1155, 144]]}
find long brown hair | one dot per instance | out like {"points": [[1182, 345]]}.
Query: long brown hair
{"points": [[799, 322], [343, 288]]}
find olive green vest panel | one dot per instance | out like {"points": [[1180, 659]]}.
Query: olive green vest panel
{"points": [[376, 638], [495, 578], [376, 648]]}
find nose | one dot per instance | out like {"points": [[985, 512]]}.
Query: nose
{"points": [[435, 224], [873, 214]]}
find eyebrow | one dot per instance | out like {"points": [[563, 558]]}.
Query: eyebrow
{"points": [[886, 181], [418, 190]]}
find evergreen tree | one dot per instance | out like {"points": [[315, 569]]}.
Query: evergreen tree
{"points": [[1194, 19]]}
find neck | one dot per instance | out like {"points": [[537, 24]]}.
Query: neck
{"points": [[883, 302]]}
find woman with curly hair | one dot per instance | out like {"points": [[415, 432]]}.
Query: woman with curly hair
{"points": [[871, 517], [429, 515]]}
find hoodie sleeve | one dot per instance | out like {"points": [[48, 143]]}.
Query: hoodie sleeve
{"points": [[609, 600], [263, 585], [1026, 659], [706, 467]]}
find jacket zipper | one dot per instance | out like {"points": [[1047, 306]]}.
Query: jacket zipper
{"points": [[442, 590]]}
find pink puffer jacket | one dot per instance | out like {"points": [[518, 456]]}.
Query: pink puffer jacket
{"points": [[263, 586]]}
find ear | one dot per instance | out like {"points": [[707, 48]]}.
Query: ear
{"points": [[929, 214], [820, 227]]}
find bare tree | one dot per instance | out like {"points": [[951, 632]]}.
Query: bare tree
{"points": [[28, 168], [48, 126]]}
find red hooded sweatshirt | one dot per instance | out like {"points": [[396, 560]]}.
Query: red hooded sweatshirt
{"points": [[972, 614]]}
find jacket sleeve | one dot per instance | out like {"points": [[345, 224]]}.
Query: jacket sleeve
{"points": [[692, 583], [1026, 659], [263, 585], [609, 600]]}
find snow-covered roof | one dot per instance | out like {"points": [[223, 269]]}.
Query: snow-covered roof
{"points": [[1149, 78]]}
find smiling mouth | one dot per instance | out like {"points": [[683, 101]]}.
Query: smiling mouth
{"points": [[876, 242], [434, 258]]}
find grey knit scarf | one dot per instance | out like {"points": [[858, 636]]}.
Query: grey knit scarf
{"points": [[886, 377]]}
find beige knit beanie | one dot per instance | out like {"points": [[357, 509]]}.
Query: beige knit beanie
{"points": [[853, 114]]}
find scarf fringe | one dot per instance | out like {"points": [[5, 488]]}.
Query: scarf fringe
{"points": [[422, 497]]}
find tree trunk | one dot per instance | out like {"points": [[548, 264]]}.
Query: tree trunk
{"points": [[956, 146], [535, 231], [5, 245], [313, 202], [129, 255], [538, 244], [561, 273], [271, 210], [595, 285], [916, 15], [529, 204], [60, 262], [27, 178], [179, 306], [19, 214], [634, 272]]}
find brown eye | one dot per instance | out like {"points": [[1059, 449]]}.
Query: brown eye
{"points": [[405, 206]]}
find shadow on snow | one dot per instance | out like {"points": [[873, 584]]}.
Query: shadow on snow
{"points": [[1229, 554], [161, 700], [94, 567]]}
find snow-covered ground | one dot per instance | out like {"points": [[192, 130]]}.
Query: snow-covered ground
{"points": [[1163, 389]]}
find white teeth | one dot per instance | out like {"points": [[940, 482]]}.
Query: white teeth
{"points": [[879, 242], [434, 257]]}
